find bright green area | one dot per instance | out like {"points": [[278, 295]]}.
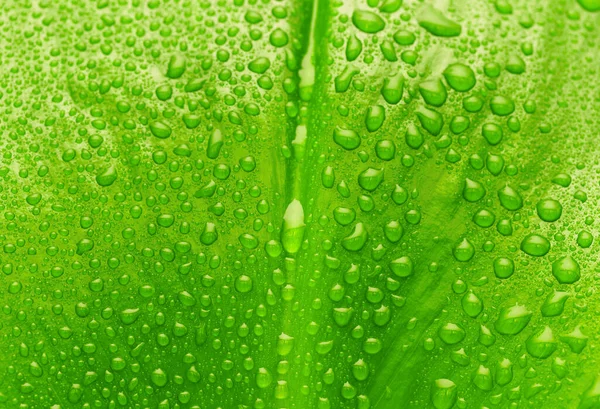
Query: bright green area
{"points": [[294, 204]]}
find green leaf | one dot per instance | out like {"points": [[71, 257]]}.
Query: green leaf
{"points": [[299, 204]]}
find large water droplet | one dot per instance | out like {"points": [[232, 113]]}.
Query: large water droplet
{"points": [[367, 21], [432, 20], [443, 394], [542, 343], [535, 245], [566, 270], [292, 232], [513, 320]]}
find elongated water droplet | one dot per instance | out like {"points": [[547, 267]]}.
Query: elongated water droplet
{"points": [[482, 378], [285, 343], [292, 233], [432, 20], [160, 129], [367, 21], [346, 138], [375, 117], [176, 66], [353, 48], [535, 245], [443, 394], [263, 378], [433, 92], [504, 372], [471, 304], [513, 320], [215, 143], [357, 239], [393, 88], [554, 304]]}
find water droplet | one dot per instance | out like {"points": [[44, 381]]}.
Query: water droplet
{"points": [[549, 210], [464, 251], [357, 239], [393, 231], [566, 270], [176, 66], [285, 343], [433, 92], [385, 149], [342, 316], [263, 378], [501, 105], [541, 344], [482, 378], [460, 77], [353, 48], [382, 316], [473, 191], [471, 304], [402, 267], [443, 394], [346, 138], [513, 320], [367, 21], [84, 245], [504, 372], [370, 179], [535, 245], [484, 218], [243, 283], [432, 121], [554, 304], [108, 177], [486, 338], [292, 233], [414, 137], [159, 377], [215, 142], [585, 239], [504, 267], [589, 5], [374, 118], [259, 65], [130, 315], [451, 333], [404, 37], [432, 20], [160, 129], [576, 340], [393, 88], [360, 370], [209, 234], [510, 199], [491, 132], [390, 6]]}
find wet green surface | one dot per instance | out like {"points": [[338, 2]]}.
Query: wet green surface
{"points": [[293, 204]]}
